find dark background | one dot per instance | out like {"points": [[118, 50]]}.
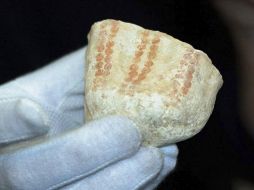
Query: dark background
{"points": [[33, 33]]}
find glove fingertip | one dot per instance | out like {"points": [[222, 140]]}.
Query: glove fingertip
{"points": [[21, 119], [170, 151]]}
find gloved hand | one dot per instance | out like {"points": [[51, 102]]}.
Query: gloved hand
{"points": [[45, 145]]}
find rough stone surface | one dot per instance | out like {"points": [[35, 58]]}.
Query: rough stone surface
{"points": [[164, 85]]}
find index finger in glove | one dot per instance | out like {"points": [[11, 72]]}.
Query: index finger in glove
{"points": [[73, 155], [21, 119], [23, 100]]}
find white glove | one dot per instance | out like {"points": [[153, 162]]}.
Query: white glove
{"points": [[44, 143]]}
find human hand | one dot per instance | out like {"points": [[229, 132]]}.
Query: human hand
{"points": [[44, 143]]}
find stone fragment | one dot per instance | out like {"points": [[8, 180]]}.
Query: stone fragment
{"points": [[164, 85]]}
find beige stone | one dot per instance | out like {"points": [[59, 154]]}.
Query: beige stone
{"points": [[164, 85]]}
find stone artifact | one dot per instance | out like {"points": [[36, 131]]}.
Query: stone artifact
{"points": [[164, 85]]}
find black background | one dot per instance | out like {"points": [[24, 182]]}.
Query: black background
{"points": [[33, 33]]}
